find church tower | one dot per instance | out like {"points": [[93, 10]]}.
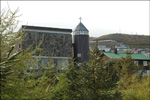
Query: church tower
{"points": [[81, 43]]}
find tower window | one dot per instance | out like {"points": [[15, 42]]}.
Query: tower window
{"points": [[81, 32], [78, 55]]}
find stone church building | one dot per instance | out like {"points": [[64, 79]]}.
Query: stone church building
{"points": [[58, 44]]}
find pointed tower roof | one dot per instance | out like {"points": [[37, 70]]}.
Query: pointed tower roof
{"points": [[81, 27]]}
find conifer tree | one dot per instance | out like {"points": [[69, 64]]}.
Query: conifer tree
{"points": [[98, 81], [91, 81], [16, 82], [8, 39], [125, 68]]}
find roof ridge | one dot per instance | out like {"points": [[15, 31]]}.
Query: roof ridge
{"points": [[134, 56]]}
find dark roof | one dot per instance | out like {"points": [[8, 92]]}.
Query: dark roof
{"points": [[46, 28], [120, 55], [81, 27]]}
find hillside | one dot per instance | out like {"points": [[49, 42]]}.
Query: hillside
{"points": [[92, 38], [132, 41]]}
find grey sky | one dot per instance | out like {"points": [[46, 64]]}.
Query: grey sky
{"points": [[100, 17]]}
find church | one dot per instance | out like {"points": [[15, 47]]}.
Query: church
{"points": [[58, 44]]}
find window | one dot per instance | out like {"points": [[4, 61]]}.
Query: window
{"points": [[62, 64], [144, 63], [29, 35], [81, 32], [44, 62], [78, 55], [33, 65], [19, 45], [136, 63]]}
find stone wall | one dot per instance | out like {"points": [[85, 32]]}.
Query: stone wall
{"points": [[53, 44]]}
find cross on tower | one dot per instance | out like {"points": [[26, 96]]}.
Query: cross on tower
{"points": [[80, 19]]}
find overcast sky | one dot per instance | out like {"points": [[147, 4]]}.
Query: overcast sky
{"points": [[99, 17]]}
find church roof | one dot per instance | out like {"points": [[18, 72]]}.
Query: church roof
{"points": [[81, 27], [46, 28]]}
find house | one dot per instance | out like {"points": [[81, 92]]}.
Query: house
{"points": [[122, 48], [135, 51], [146, 52], [107, 41], [139, 59], [103, 48]]}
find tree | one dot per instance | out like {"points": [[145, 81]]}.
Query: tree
{"points": [[99, 82], [137, 90], [125, 68], [19, 81], [131, 86], [8, 38], [112, 70], [90, 81]]}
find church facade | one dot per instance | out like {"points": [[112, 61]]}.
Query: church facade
{"points": [[58, 44]]}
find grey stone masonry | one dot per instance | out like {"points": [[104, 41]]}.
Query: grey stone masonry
{"points": [[56, 43]]}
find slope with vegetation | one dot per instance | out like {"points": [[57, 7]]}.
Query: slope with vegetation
{"points": [[132, 41]]}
